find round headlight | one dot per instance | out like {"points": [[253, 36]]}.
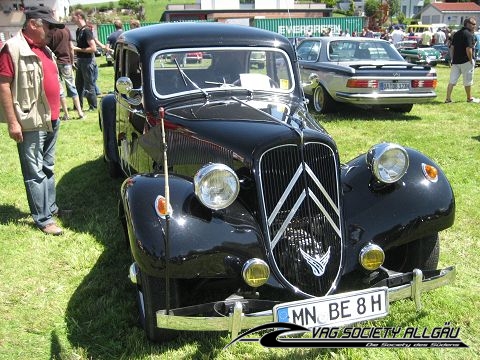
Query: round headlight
{"points": [[371, 257], [388, 162], [216, 186], [255, 272]]}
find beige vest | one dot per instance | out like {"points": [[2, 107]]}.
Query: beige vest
{"points": [[29, 100]]}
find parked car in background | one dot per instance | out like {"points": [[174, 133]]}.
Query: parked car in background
{"points": [[477, 47], [258, 58], [444, 53], [361, 71], [414, 54], [237, 208]]}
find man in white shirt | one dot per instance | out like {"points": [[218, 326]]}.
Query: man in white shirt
{"points": [[397, 35], [439, 37]]}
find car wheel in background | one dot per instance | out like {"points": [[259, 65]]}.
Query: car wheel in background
{"points": [[322, 101]]}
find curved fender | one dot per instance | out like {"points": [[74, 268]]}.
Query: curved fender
{"points": [[108, 126], [394, 214], [202, 242]]}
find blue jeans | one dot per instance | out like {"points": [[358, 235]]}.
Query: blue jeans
{"points": [[37, 160], [85, 81]]}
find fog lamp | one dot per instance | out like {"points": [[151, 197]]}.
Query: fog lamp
{"points": [[371, 257], [255, 272]]}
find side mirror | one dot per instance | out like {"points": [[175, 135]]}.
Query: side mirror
{"points": [[124, 86]]}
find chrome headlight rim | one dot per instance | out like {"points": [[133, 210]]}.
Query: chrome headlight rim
{"points": [[377, 158], [204, 174]]}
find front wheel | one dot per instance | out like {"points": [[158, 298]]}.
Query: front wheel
{"points": [[420, 254], [322, 101], [151, 296]]}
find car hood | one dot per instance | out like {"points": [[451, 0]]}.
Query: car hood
{"points": [[243, 127]]}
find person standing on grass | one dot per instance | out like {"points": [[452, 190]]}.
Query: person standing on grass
{"points": [[86, 65], [134, 23], [112, 38], [30, 105], [60, 42], [463, 60]]}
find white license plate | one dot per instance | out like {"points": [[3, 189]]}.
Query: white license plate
{"points": [[335, 310], [400, 85]]}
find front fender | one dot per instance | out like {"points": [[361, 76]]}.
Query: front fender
{"points": [[202, 243], [396, 214]]}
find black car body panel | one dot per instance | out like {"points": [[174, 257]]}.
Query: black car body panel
{"points": [[295, 208]]}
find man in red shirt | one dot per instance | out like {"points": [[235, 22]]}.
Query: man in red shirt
{"points": [[30, 105]]}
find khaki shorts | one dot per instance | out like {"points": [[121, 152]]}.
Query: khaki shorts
{"points": [[466, 70]]}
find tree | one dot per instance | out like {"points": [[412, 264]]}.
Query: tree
{"points": [[394, 7], [371, 7], [130, 4], [351, 9]]}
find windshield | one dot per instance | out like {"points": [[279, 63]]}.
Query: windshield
{"points": [[208, 69], [345, 50]]}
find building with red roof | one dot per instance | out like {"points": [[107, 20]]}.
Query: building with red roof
{"points": [[449, 13]]}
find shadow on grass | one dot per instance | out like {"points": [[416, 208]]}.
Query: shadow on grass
{"points": [[9, 213], [349, 112], [101, 312]]}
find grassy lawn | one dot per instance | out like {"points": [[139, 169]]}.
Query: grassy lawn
{"points": [[69, 297]]}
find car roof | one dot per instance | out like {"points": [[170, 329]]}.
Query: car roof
{"points": [[151, 38]]}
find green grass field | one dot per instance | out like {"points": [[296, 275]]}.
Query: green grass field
{"points": [[69, 297]]}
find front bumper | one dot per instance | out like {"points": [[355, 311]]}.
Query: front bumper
{"points": [[249, 313]]}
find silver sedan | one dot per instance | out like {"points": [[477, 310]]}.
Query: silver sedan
{"points": [[364, 72]]}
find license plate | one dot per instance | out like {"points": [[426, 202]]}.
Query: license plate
{"points": [[399, 85], [335, 310]]}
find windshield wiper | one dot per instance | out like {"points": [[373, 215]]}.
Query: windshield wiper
{"points": [[185, 78]]}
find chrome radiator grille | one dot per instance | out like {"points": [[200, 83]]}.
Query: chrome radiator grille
{"points": [[300, 194]]}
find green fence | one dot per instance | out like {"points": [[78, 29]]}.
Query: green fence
{"points": [[300, 26], [104, 30], [287, 27]]}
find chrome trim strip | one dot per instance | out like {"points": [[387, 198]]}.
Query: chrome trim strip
{"points": [[292, 212], [284, 196], [324, 212], [243, 321], [322, 189]]}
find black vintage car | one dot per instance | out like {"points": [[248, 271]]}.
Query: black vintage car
{"points": [[236, 206]]}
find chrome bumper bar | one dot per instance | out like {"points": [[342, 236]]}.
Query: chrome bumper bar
{"points": [[238, 320], [386, 98]]}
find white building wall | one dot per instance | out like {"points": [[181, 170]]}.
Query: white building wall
{"points": [[220, 4], [274, 4]]}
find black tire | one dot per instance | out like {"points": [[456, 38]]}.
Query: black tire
{"points": [[404, 108], [114, 170], [420, 254], [151, 297], [107, 122], [322, 101]]}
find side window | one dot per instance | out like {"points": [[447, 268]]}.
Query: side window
{"points": [[308, 50], [133, 69]]}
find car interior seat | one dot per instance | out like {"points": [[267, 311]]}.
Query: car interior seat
{"points": [[362, 54]]}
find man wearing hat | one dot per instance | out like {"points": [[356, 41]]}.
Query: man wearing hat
{"points": [[30, 105]]}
